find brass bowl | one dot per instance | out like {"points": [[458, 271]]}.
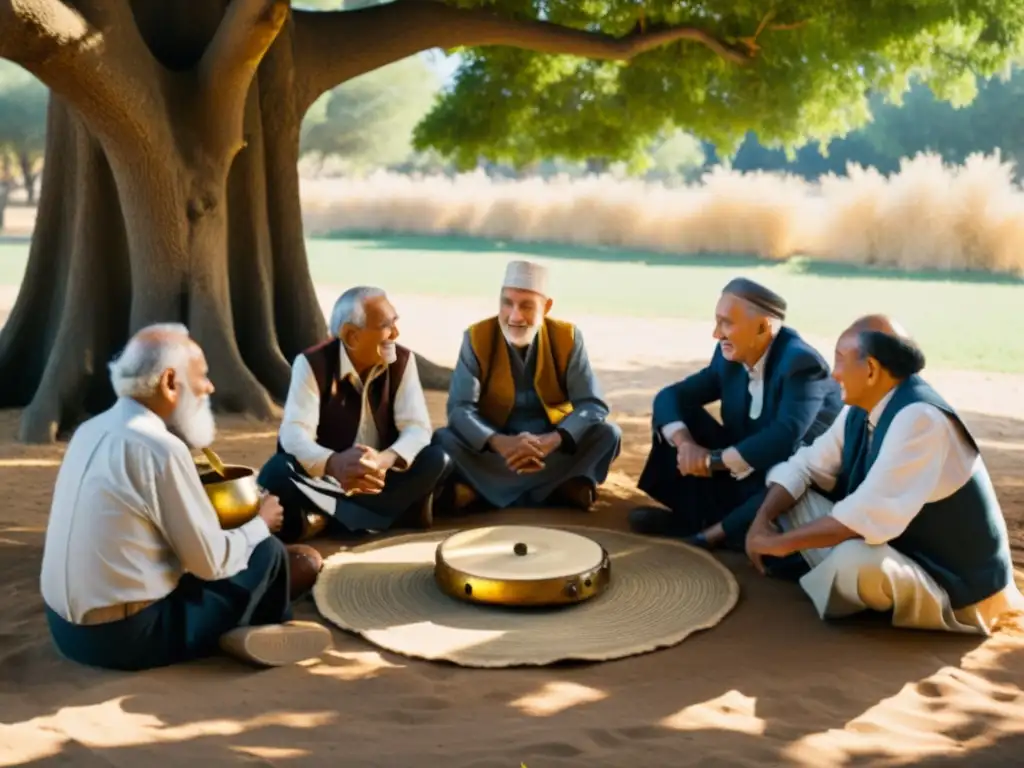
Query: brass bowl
{"points": [[236, 498]]}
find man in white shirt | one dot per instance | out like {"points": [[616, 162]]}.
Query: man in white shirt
{"points": [[354, 444], [137, 572], [903, 517]]}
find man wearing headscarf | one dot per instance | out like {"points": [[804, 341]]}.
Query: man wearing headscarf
{"points": [[354, 444], [775, 394], [906, 520], [527, 423]]}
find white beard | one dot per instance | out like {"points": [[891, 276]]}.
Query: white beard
{"points": [[519, 337], [388, 353], [192, 420]]}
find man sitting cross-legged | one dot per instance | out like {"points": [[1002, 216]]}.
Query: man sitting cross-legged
{"points": [[354, 441], [137, 572], [775, 394], [911, 523], [527, 424]]}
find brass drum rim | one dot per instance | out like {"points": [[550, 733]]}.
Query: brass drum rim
{"points": [[486, 552], [559, 590]]}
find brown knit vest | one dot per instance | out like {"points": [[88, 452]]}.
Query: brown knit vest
{"points": [[341, 404]]}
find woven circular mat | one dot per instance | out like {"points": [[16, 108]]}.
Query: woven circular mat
{"points": [[661, 591]]}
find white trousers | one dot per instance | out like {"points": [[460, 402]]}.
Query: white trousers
{"points": [[856, 576]]}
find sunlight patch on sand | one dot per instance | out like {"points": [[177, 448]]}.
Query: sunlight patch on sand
{"points": [[732, 711], [20, 745], [1000, 445], [952, 711], [272, 753], [557, 697], [349, 666], [108, 725], [29, 463]]}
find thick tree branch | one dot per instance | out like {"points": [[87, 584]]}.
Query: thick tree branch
{"points": [[38, 33], [333, 47], [92, 56], [247, 31]]}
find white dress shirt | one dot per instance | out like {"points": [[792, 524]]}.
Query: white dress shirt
{"points": [[732, 458], [302, 415], [130, 517], [924, 458]]}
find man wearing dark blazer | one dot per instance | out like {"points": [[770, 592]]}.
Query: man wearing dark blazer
{"points": [[776, 394]]}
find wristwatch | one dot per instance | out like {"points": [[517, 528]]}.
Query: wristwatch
{"points": [[714, 461]]}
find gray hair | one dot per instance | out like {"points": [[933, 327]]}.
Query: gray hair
{"points": [[151, 351], [774, 323], [351, 307]]}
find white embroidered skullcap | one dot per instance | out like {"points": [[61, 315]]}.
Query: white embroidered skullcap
{"points": [[526, 276]]}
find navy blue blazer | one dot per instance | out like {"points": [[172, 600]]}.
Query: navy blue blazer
{"points": [[801, 400]]}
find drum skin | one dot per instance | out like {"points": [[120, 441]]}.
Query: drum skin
{"points": [[577, 583]]}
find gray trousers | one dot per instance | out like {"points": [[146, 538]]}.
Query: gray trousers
{"points": [[487, 472]]}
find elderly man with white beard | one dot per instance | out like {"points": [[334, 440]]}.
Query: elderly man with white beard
{"points": [[137, 572], [354, 444], [527, 423]]}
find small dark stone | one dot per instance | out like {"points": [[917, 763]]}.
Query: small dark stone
{"points": [[519, 549]]}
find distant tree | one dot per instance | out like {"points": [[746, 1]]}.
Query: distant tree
{"points": [[818, 63], [369, 121], [994, 120], [677, 158], [23, 102]]}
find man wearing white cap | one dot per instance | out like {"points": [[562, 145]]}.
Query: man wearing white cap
{"points": [[527, 423]]}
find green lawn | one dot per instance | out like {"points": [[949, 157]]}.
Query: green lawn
{"points": [[963, 321]]}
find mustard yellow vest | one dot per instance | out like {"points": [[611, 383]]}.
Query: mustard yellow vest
{"points": [[497, 389]]}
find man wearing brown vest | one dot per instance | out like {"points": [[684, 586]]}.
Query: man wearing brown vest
{"points": [[354, 443], [527, 423]]}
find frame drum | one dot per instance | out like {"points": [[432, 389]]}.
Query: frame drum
{"points": [[521, 565]]}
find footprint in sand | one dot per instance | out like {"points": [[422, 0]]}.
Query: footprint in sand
{"points": [[929, 690], [416, 710], [1004, 697], [552, 749], [606, 739], [969, 730], [425, 702], [643, 732], [402, 717]]}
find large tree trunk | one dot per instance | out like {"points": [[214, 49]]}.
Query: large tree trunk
{"points": [[168, 226], [170, 188], [135, 229]]}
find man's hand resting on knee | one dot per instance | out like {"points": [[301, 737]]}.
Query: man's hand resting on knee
{"points": [[525, 453], [356, 470], [691, 459]]}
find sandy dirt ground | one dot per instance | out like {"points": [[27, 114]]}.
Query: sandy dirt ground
{"points": [[771, 685]]}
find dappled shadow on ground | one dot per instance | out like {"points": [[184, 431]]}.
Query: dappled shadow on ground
{"points": [[770, 685], [613, 254]]}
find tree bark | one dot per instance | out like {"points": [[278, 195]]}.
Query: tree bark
{"points": [[138, 222], [170, 189]]}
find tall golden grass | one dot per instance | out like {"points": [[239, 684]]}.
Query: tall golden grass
{"points": [[929, 215]]}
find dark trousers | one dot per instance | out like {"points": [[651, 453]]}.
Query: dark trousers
{"points": [[699, 502], [188, 623], [378, 512]]}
